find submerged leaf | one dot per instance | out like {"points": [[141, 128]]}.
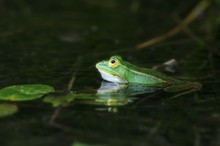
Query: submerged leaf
{"points": [[63, 99], [84, 144], [7, 110], [24, 92], [58, 100]]}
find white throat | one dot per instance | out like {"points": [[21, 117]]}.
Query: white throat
{"points": [[112, 78]]}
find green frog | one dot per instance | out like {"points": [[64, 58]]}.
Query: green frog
{"points": [[119, 71]]}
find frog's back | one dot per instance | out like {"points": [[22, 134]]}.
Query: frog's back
{"points": [[147, 76]]}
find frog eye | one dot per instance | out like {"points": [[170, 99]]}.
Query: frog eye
{"points": [[113, 63]]}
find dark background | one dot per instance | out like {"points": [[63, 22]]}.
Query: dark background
{"points": [[41, 42]]}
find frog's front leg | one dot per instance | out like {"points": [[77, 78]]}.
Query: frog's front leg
{"points": [[184, 88]]}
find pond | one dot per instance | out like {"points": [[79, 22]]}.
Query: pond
{"points": [[58, 43]]}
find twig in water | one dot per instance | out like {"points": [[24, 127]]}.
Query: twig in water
{"points": [[190, 17], [73, 77], [53, 120], [187, 31], [144, 99], [70, 85]]}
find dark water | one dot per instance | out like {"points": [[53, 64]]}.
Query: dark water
{"points": [[43, 41]]}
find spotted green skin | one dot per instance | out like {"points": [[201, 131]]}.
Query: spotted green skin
{"points": [[128, 73]]}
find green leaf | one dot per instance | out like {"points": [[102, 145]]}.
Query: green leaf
{"points": [[7, 110], [24, 92]]}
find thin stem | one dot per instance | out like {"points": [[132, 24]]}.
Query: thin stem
{"points": [[73, 77]]}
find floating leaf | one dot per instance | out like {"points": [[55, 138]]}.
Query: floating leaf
{"points": [[24, 92], [7, 110]]}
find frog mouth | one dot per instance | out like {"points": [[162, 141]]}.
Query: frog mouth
{"points": [[111, 77]]}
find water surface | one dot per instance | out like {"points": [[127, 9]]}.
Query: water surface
{"points": [[46, 42]]}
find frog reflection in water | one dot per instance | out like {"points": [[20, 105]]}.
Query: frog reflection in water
{"points": [[119, 71]]}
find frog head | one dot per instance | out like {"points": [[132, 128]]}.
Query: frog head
{"points": [[113, 70]]}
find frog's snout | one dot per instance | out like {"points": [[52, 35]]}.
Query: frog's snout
{"points": [[98, 65], [101, 64]]}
